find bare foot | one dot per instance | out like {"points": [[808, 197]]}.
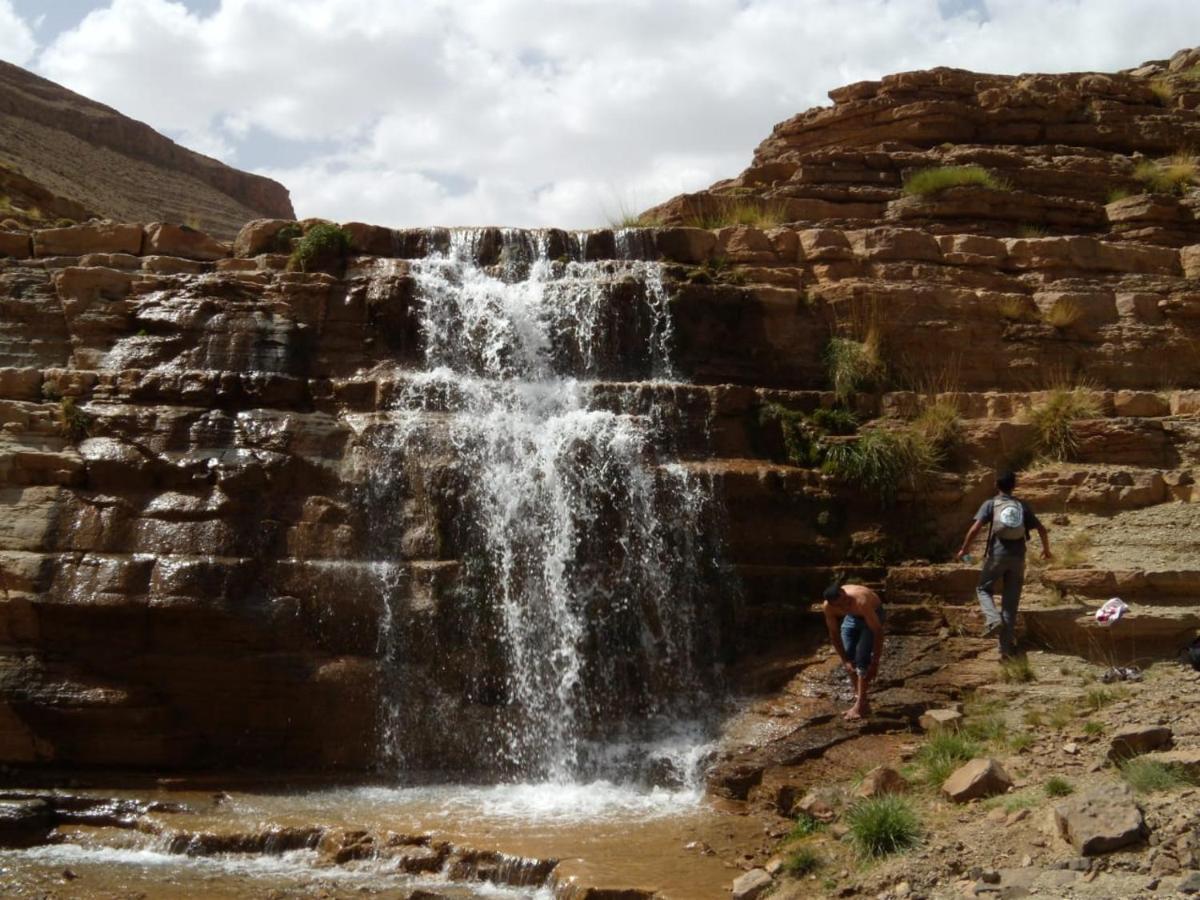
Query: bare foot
{"points": [[853, 714]]}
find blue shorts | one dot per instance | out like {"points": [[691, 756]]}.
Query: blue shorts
{"points": [[859, 641]]}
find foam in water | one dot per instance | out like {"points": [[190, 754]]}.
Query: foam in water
{"points": [[585, 558]]}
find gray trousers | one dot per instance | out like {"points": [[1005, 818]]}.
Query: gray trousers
{"points": [[1010, 569]]}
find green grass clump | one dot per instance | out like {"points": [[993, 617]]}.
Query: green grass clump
{"points": [[940, 424], [1020, 741], [1147, 776], [883, 825], [1065, 312], [324, 246], [1098, 698], [802, 862], [929, 182], [1093, 729], [882, 462], [1061, 715], [805, 826], [1054, 419], [1034, 718], [1116, 194], [1170, 176], [1017, 670], [727, 211], [284, 236], [942, 753], [853, 365], [1057, 786], [73, 423], [1032, 231], [834, 421], [1162, 90]]}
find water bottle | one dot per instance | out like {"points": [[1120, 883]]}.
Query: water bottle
{"points": [[968, 558]]}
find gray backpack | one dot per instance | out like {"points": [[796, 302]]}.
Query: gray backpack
{"points": [[1008, 519]]}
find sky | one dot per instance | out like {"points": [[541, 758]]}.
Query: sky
{"points": [[523, 113]]}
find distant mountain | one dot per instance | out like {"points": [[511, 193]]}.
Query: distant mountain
{"points": [[63, 156]]}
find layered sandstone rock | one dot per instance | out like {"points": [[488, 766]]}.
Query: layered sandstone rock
{"points": [[191, 576]]}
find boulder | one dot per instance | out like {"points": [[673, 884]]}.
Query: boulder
{"points": [[820, 803], [96, 237], [1138, 739], [881, 780], [165, 239], [15, 244], [933, 719], [685, 245], [753, 884], [1141, 404], [173, 265], [258, 236], [1189, 258], [372, 240], [25, 823], [1100, 820], [976, 779]]}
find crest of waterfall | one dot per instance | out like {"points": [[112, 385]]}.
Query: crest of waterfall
{"points": [[576, 625]]}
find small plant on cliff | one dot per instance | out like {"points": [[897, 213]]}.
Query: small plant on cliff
{"points": [[323, 246], [1065, 312], [73, 423], [1119, 193], [282, 242], [802, 862], [883, 462], [802, 433], [853, 365], [883, 825], [928, 182], [1162, 90], [1170, 176], [941, 425], [725, 211], [805, 826], [1054, 421], [1016, 308]]}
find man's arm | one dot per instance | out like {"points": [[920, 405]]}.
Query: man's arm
{"points": [[835, 638], [1045, 536], [976, 525], [876, 625]]}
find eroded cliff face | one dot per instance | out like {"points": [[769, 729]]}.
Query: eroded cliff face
{"points": [[197, 574], [65, 156]]}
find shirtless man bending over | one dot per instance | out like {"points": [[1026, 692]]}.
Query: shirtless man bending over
{"points": [[860, 642]]}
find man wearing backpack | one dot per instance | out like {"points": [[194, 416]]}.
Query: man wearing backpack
{"points": [[1009, 522]]}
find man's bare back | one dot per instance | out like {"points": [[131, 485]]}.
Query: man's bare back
{"points": [[859, 642]]}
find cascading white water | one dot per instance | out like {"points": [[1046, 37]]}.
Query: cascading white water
{"points": [[583, 553]]}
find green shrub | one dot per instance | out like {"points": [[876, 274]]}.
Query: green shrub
{"points": [[882, 462], [1170, 176], [805, 826], [853, 365], [943, 752], [285, 235], [941, 425], [929, 182], [1057, 786], [1054, 419], [1147, 776], [1017, 670], [834, 421], [73, 423], [883, 825], [802, 862], [323, 247]]}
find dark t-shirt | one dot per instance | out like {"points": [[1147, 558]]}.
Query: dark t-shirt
{"points": [[999, 546]]}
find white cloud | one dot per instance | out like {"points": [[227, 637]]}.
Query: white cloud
{"points": [[16, 37], [523, 112]]}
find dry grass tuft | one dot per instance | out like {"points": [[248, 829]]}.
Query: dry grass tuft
{"points": [[1055, 417], [1065, 312], [1174, 175], [929, 182]]}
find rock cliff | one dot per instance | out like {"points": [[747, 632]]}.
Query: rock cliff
{"points": [[191, 578], [68, 157]]}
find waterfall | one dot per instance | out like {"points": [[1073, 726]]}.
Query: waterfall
{"points": [[574, 633]]}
